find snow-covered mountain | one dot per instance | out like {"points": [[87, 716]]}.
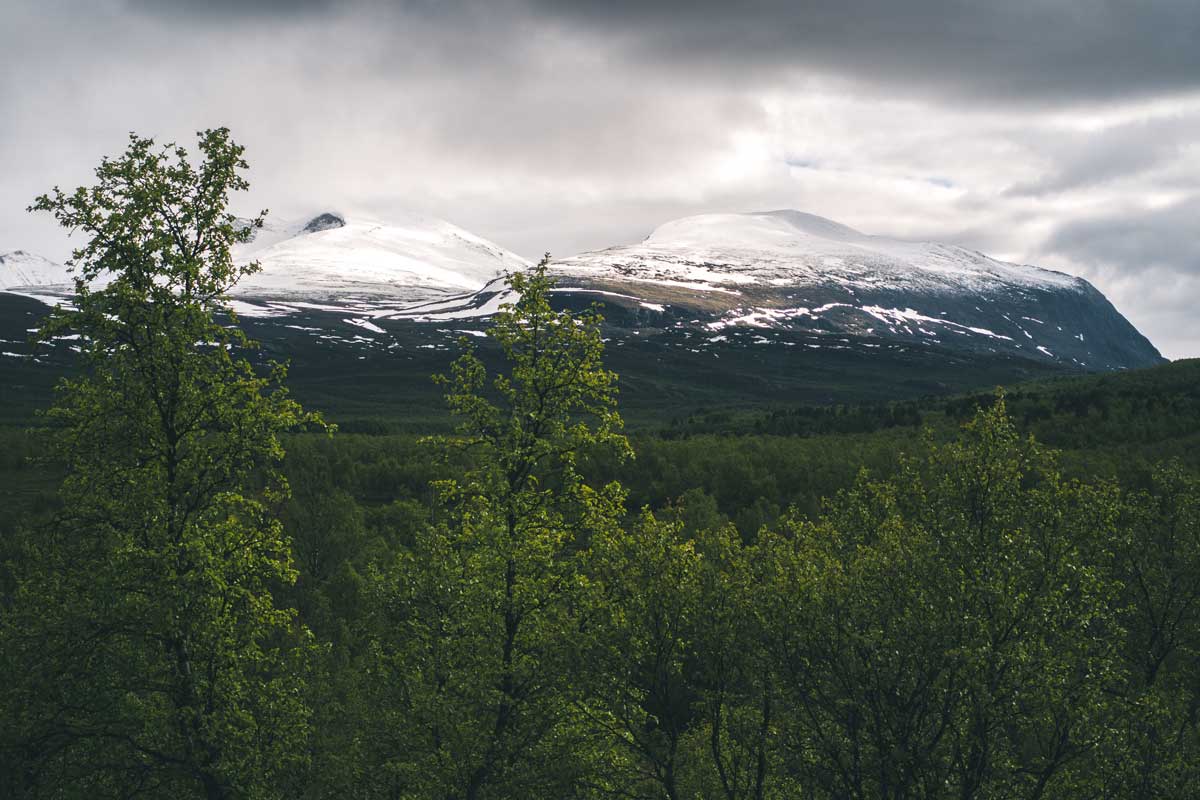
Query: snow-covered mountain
{"points": [[782, 277], [21, 270], [356, 263], [726, 252], [787, 270], [338, 258]]}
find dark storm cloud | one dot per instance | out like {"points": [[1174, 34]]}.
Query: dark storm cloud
{"points": [[1037, 52], [1040, 51]]}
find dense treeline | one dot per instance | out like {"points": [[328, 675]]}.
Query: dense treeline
{"points": [[535, 606]]}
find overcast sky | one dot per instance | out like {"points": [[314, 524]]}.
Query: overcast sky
{"points": [[1058, 132]]}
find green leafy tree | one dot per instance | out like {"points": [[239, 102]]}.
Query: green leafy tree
{"points": [[679, 677], [646, 595], [947, 634], [478, 618], [738, 702], [1156, 559], [146, 652]]}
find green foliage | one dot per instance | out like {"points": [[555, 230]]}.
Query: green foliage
{"points": [[947, 635], [680, 685], [1156, 558], [646, 601], [556, 402], [476, 623], [153, 658]]}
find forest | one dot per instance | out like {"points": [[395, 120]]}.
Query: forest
{"points": [[208, 590]]}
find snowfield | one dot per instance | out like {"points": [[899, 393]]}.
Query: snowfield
{"points": [[411, 259], [714, 252]]}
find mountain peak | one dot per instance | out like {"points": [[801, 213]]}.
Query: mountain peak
{"points": [[333, 259], [810, 223], [20, 269], [703, 278], [755, 230]]}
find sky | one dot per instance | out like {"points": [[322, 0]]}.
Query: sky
{"points": [[1064, 133]]}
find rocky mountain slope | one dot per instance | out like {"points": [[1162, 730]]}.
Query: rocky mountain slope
{"points": [[786, 270]]}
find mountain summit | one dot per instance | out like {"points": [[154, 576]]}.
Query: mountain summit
{"points": [[407, 258]]}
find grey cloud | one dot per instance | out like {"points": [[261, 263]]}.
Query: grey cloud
{"points": [[1133, 243], [224, 10], [394, 13], [464, 120], [1086, 158]]}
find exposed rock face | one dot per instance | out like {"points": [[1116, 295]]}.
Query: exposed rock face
{"points": [[324, 222]]}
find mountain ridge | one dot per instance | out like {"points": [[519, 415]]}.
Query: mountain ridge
{"points": [[699, 278], [789, 270]]}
